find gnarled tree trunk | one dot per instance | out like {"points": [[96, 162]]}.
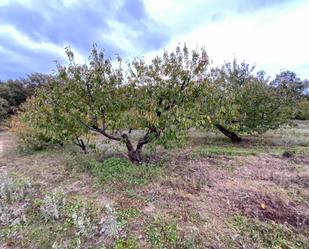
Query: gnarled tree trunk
{"points": [[233, 136], [135, 155]]}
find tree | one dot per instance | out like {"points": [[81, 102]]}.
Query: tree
{"points": [[239, 102], [288, 83], [4, 108], [15, 92], [100, 96], [41, 122]]}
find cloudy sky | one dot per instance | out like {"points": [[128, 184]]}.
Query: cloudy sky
{"points": [[271, 34]]}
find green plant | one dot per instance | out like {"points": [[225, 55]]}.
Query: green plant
{"points": [[130, 243], [162, 233], [235, 101], [124, 174], [101, 97], [266, 234], [303, 109], [124, 215], [210, 151]]}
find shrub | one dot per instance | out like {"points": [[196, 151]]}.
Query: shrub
{"points": [[53, 206], [14, 200]]}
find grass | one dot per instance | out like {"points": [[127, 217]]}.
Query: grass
{"points": [[252, 232], [212, 151], [125, 215], [162, 233], [130, 243], [114, 172]]}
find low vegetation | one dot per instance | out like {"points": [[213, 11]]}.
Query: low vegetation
{"points": [[220, 196]]}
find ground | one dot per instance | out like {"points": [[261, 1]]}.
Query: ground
{"points": [[210, 194]]}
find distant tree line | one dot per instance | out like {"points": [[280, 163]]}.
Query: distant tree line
{"points": [[14, 92]]}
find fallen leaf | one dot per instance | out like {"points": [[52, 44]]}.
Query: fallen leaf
{"points": [[263, 205]]}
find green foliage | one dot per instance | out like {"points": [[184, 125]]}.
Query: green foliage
{"points": [[288, 84], [124, 215], [303, 109], [241, 102], [15, 92], [266, 234], [130, 243], [100, 96], [39, 124], [4, 108], [210, 151], [123, 174], [163, 233]]}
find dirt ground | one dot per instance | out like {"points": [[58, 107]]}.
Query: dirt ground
{"points": [[202, 187]]}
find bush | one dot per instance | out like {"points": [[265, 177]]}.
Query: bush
{"points": [[14, 200], [53, 206], [28, 138]]}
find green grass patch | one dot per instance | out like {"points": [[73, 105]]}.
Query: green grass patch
{"points": [[223, 151], [114, 172], [162, 233], [130, 243], [125, 175], [268, 235], [125, 215]]}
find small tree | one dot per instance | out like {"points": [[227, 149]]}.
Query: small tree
{"points": [[101, 97]]}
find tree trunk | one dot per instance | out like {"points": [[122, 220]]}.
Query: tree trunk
{"points": [[233, 136], [79, 142], [135, 155]]}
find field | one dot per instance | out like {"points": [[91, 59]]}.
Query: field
{"points": [[209, 194]]}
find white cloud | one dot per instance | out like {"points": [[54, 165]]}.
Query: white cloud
{"points": [[25, 42], [271, 38]]}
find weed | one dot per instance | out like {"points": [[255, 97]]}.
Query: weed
{"points": [[53, 205], [14, 200], [265, 234], [108, 224], [223, 151], [130, 243], [124, 174], [162, 233], [124, 215]]}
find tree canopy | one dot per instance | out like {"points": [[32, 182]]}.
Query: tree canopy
{"points": [[161, 98]]}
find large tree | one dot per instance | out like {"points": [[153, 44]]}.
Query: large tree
{"points": [[101, 96], [236, 101]]}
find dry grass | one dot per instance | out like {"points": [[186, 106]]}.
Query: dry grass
{"points": [[211, 194]]}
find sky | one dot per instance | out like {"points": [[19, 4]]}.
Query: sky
{"points": [[273, 35]]}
